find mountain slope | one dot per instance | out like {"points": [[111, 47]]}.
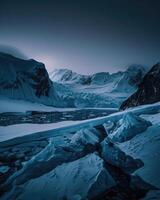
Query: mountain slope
{"points": [[98, 90], [66, 75], [25, 79], [148, 90], [129, 126], [117, 82], [29, 80]]}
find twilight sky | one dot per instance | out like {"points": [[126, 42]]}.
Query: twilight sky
{"points": [[86, 36]]}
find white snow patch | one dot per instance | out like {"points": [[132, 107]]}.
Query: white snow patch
{"points": [[18, 130], [10, 105]]}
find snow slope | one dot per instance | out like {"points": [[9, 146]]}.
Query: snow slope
{"points": [[81, 175], [20, 130], [129, 126], [12, 105], [26, 80], [29, 80], [145, 146], [66, 75], [120, 81]]}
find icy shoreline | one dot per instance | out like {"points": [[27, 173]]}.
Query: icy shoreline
{"points": [[55, 130]]}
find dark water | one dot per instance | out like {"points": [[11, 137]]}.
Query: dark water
{"points": [[52, 117]]}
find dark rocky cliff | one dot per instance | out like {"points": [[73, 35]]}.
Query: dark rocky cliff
{"points": [[148, 90]]}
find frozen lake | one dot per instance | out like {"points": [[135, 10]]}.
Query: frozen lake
{"points": [[40, 117]]}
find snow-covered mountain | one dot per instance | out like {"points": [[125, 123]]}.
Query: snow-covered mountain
{"points": [[29, 80], [66, 75], [25, 79], [120, 81], [148, 90], [97, 90]]}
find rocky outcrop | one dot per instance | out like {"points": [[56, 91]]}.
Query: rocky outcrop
{"points": [[148, 91]]}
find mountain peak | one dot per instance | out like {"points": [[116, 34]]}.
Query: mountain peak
{"points": [[132, 77], [25, 79]]}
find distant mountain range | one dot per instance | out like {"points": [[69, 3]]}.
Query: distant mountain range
{"points": [[124, 81], [101, 89], [29, 80]]}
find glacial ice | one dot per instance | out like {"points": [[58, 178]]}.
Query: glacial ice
{"points": [[85, 177], [113, 155], [129, 126]]}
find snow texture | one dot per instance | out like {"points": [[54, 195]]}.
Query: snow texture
{"points": [[85, 177], [128, 127], [145, 146]]}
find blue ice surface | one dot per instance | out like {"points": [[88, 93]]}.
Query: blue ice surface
{"points": [[145, 109]]}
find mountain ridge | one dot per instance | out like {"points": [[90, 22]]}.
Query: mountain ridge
{"points": [[120, 81], [148, 90], [29, 80], [25, 79]]}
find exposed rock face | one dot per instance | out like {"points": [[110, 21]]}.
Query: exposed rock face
{"points": [[25, 79], [148, 90]]}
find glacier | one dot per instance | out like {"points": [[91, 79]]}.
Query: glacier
{"points": [[97, 90]]}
